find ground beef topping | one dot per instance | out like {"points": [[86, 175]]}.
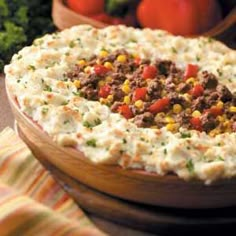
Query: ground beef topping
{"points": [[156, 94]]}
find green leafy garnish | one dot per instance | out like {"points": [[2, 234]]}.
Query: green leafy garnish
{"points": [[190, 166], [185, 135], [91, 142]]}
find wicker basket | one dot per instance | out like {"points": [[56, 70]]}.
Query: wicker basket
{"points": [[64, 17]]}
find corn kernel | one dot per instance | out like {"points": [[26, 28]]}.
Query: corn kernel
{"points": [[110, 98], [139, 104], [190, 80], [87, 69], [101, 83], [171, 127], [121, 58], [108, 65], [103, 53], [82, 62], [227, 124], [187, 97], [177, 108], [103, 100], [220, 104], [77, 83], [214, 132], [127, 100], [126, 82], [108, 79], [98, 61], [220, 118], [126, 88], [196, 114], [232, 109], [169, 119]]}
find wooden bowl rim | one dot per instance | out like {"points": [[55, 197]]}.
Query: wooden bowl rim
{"points": [[219, 28]]}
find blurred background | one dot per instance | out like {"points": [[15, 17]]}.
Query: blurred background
{"points": [[21, 21]]}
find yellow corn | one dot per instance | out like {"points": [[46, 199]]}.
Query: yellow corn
{"points": [[139, 104], [172, 127], [190, 80], [103, 53], [82, 62], [101, 83], [108, 65], [214, 132], [169, 119], [126, 89], [127, 100], [98, 61], [77, 83], [126, 82], [232, 109], [103, 100], [187, 97], [110, 98], [220, 104], [220, 118], [87, 69], [227, 124], [108, 79], [177, 108], [121, 58], [196, 114]]}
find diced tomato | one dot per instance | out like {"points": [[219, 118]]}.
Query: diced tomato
{"points": [[137, 60], [125, 111], [197, 90], [140, 94], [160, 105], [100, 70], [196, 123], [215, 111], [104, 91], [149, 72], [191, 71]]}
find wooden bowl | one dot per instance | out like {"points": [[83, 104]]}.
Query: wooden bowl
{"points": [[137, 186], [225, 30]]}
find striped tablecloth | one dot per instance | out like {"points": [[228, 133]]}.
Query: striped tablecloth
{"points": [[31, 202]]}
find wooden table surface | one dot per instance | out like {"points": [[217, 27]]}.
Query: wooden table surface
{"points": [[6, 119]]}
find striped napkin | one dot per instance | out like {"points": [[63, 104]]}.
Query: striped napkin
{"points": [[31, 202]]}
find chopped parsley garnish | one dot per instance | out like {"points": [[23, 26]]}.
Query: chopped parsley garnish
{"points": [[47, 88], [124, 140], [45, 110], [165, 151], [91, 125], [162, 143], [91, 142], [72, 44], [66, 122], [219, 158], [190, 166], [31, 67], [64, 103], [18, 81], [19, 57], [198, 58], [173, 49], [185, 135], [220, 73]]}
